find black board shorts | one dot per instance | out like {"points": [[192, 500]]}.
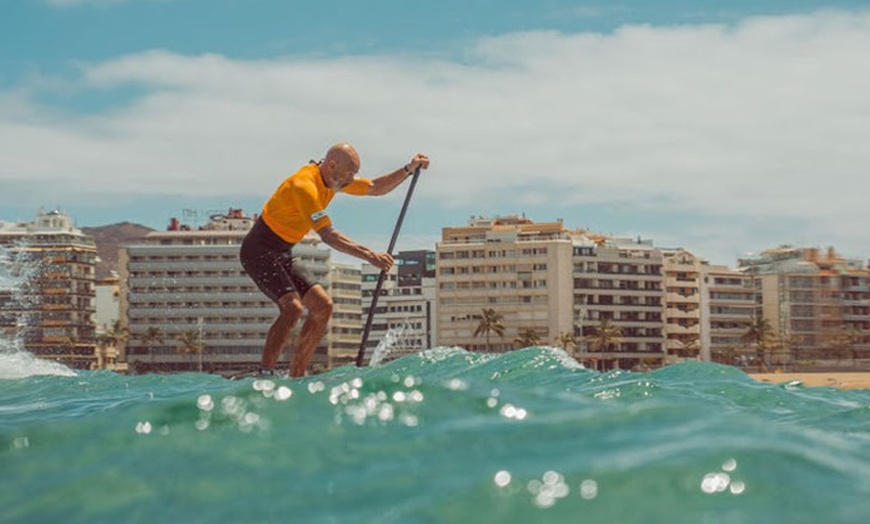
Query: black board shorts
{"points": [[270, 263]]}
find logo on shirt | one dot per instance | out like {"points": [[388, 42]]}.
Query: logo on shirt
{"points": [[318, 215]]}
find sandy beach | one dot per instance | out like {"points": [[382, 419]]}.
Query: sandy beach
{"points": [[845, 380]]}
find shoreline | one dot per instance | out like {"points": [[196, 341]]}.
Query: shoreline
{"points": [[839, 380]]}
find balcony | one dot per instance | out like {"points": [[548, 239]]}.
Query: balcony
{"points": [[676, 298], [676, 329], [679, 313], [174, 282], [856, 302]]}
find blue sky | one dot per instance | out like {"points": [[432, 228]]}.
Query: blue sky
{"points": [[722, 127]]}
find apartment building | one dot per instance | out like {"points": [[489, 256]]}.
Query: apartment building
{"points": [[50, 309], [619, 281], [188, 284], [518, 268], [810, 298], [728, 303], [406, 308], [345, 326], [683, 311]]}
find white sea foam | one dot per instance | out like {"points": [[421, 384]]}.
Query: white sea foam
{"points": [[21, 364], [15, 269], [386, 345]]}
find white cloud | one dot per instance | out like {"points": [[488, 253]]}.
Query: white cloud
{"points": [[766, 120]]}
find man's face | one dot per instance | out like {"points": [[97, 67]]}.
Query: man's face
{"points": [[344, 172]]}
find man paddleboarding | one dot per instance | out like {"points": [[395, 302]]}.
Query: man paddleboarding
{"points": [[297, 207]]}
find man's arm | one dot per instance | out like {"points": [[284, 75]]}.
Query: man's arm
{"points": [[384, 184], [340, 242]]}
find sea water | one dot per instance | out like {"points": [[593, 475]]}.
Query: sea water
{"points": [[442, 436]]}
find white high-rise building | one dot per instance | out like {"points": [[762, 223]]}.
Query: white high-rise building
{"points": [[518, 268], [683, 313], [407, 304], [812, 300], [619, 281], [544, 279], [345, 326], [183, 289], [52, 310], [728, 302]]}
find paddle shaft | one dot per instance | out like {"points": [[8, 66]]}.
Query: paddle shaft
{"points": [[365, 337]]}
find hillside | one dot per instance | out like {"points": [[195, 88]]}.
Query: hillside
{"points": [[108, 239]]}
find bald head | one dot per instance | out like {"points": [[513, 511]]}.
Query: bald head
{"points": [[342, 152], [340, 165]]}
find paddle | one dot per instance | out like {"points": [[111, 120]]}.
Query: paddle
{"points": [[365, 337]]}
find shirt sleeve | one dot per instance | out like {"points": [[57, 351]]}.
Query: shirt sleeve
{"points": [[305, 198], [359, 187]]}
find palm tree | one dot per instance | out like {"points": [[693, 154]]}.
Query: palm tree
{"points": [[567, 341], [188, 344], [790, 343], [857, 336], [760, 334], [110, 339], [726, 355], [527, 337], [606, 334], [151, 336], [119, 331], [845, 341], [691, 346], [490, 322]]}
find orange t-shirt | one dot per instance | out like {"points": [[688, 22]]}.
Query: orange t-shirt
{"points": [[299, 203]]}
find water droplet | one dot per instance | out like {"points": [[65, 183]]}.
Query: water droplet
{"points": [[737, 487], [551, 477], [205, 403], [143, 428], [385, 413], [715, 482], [283, 393], [263, 385], [729, 465], [457, 385], [588, 489], [416, 396], [502, 478], [544, 500]]}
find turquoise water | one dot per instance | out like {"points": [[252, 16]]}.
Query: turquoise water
{"points": [[444, 436]]}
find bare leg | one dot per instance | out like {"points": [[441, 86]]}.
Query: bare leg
{"points": [[290, 310], [319, 305]]}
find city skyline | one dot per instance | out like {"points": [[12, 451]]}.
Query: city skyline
{"points": [[722, 130], [419, 242], [548, 278]]}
